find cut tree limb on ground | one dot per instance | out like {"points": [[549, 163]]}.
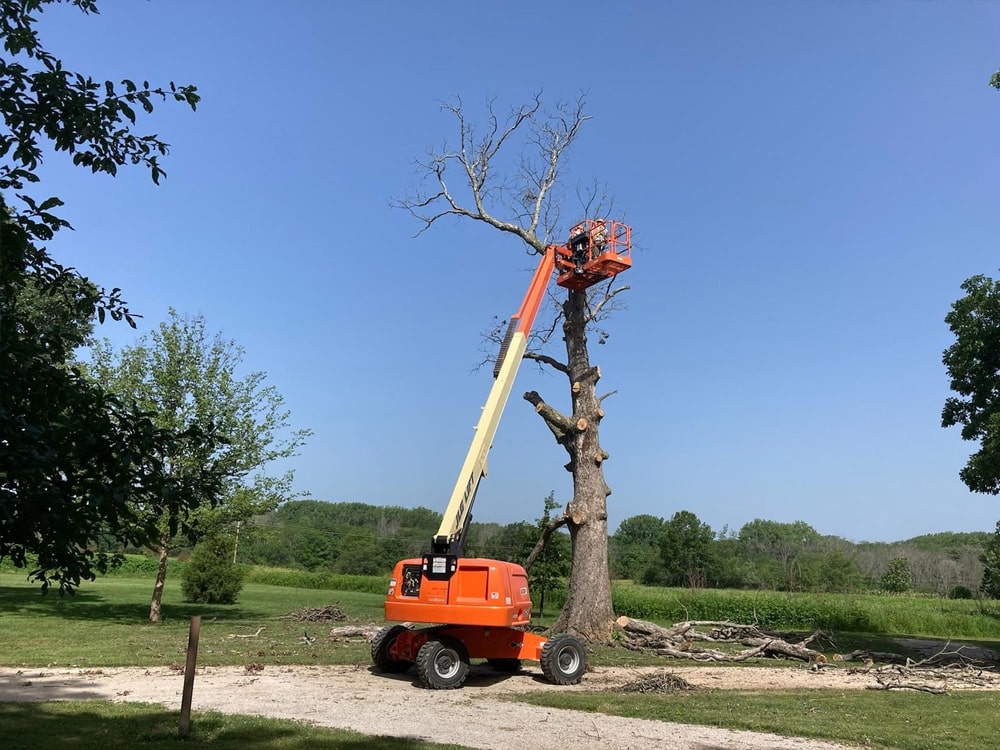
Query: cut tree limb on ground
{"points": [[948, 668], [679, 641], [355, 631]]}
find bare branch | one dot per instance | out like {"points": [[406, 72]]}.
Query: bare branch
{"points": [[606, 395], [550, 527], [547, 360], [605, 301], [478, 159]]}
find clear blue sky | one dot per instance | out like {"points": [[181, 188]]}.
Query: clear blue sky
{"points": [[810, 183]]}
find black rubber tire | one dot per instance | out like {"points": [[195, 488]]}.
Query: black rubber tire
{"points": [[443, 664], [381, 644], [508, 666], [564, 659]]}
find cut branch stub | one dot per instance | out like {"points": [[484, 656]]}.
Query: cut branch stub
{"points": [[581, 424], [601, 457], [576, 386]]}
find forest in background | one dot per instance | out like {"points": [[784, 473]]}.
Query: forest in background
{"points": [[356, 538]]}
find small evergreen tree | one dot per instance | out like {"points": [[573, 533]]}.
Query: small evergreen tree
{"points": [[898, 578], [211, 576], [991, 561]]}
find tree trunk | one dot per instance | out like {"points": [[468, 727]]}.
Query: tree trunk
{"points": [[161, 579], [588, 612]]}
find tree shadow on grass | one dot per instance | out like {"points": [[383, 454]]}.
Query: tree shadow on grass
{"points": [[93, 605], [98, 725]]}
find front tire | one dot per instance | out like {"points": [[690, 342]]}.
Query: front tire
{"points": [[381, 644], [564, 659], [443, 664]]}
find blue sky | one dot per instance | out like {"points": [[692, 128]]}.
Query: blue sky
{"points": [[809, 182]]}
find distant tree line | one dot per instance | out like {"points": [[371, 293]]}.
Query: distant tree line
{"points": [[777, 556], [683, 551]]}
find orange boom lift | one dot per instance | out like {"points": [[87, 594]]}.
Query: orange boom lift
{"points": [[473, 608]]}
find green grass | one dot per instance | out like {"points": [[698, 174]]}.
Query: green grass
{"points": [[897, 720], [106, 623], [99, 725], [860, 613]]}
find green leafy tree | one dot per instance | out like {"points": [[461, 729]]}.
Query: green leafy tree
{"points": [[776, 551], [898, 579], [513, 542], [991, 566], [634, 547], [73, 459], [684, 550], [186, 377], [973, 365], [550, 564], [211, 576]]}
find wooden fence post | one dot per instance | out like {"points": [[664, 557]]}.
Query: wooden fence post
{"points": [[189, 667]]}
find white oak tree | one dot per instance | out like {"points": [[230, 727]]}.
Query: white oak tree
{"points": [[505, 172]]}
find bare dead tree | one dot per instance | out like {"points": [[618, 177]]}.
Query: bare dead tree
{"points": [[505, 172]]}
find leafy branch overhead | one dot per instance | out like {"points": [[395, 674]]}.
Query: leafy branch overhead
{"points": [[77, 464], [973, 366], [47, 108]]}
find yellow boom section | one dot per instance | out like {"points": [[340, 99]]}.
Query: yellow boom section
{"points": [[457, 514]]}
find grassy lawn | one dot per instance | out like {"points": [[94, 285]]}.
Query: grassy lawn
{"points": [[106, 623], [99, 725], [898, 720]]}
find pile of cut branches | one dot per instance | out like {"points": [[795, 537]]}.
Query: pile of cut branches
{"points": [[683, 640], [658, 682], [329, 613], [948, 668]]}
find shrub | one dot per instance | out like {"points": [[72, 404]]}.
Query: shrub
{"points": [[897, 579], [211, 576], [960, 592]]}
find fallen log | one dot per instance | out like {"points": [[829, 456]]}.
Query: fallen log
{"points": [[678, 641], [355, 631], [922, 687], [886, 657]]}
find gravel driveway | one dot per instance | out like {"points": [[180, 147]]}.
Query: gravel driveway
{"points": [[359, 699]]}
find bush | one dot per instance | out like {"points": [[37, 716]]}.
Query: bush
{"points": [[897, 579], [211, 576], [960, 592]]}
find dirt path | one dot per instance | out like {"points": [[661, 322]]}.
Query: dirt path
{"points": [[356, 698]]}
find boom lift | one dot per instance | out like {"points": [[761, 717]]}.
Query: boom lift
{"points": [[472, 607]]}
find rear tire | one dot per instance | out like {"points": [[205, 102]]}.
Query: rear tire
{"points": [[381, 644], [443, 664], [564, 659], [508, 666]]}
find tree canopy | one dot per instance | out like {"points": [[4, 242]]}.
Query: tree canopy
{"points": [[973, 365], [185, 377], [74, 460]]}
